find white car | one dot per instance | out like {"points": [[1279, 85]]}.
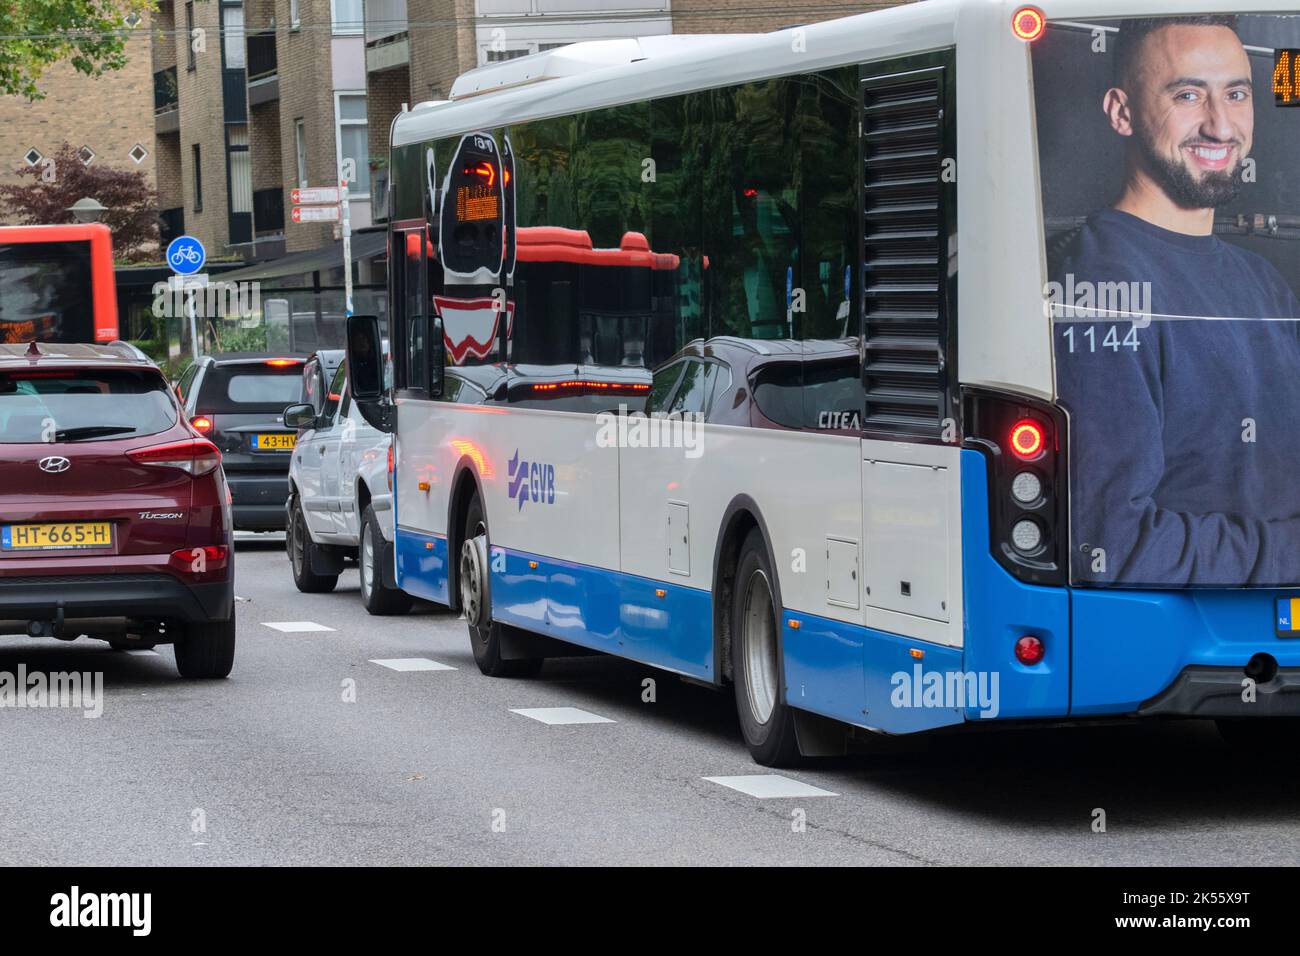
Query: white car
{"points": [[340, 505]]}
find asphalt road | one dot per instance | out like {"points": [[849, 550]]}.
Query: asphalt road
{"points": [[275, 766]]}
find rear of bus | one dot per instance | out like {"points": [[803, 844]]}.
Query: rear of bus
{"points": [[1164, 483], [56, 284]]}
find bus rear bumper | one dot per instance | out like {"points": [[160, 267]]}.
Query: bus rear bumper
{"points": [[1227, 692]]}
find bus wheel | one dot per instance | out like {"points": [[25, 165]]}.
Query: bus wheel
{"points": [[765, 720], [1262, 735], [486, 636]]}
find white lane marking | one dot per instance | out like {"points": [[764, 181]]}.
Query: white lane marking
{"points": [[295, 627], [766, 786], [143, 652], [561, 715], [412, 664]]}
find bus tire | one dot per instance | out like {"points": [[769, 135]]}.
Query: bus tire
{"points": [[378, 598], [765, 720], [300, 545], [485, 635], [1260, 735]]}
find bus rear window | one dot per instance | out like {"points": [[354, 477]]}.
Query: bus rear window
{"points": [[45, 292]]}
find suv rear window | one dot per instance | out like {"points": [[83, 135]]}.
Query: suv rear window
{"points": [[44, 405], [252, 389]]}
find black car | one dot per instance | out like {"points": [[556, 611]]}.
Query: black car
{"points": [[237, 401]]}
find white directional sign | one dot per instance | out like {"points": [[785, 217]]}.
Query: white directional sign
{"points": [[311, 195], [315, 213]]}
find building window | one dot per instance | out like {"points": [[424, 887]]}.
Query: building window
{"points": [[86, 155], [300, 144], [232, 36], [189, 35], [33, 156], [295, 21], [347, 16], [354, 140], [498, 56], [138, 154], [198, 177], [241, 169]]}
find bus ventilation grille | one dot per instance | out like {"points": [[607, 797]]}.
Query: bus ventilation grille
{"points": [[904, 266]]}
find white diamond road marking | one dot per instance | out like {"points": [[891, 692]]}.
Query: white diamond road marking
{"points": [[766, 786], [561, 715], [412, 664], [295, 627]]}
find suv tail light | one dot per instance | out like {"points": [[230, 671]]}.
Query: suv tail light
{"points": [[1024, 444], [198, 456], [201, 563], [203, 424]]}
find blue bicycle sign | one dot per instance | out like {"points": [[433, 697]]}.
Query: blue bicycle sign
{"points": [[185, 255]]}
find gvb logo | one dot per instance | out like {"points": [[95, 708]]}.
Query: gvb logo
{"points": [[531, 481]]}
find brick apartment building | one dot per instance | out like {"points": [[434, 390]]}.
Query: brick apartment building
{"points": [[251, 98], [107, 118]]}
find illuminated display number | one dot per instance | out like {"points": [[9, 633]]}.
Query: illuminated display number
{"points": [[1286, 77]]}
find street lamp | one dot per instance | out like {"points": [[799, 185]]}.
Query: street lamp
{"points": [[87, 210]]}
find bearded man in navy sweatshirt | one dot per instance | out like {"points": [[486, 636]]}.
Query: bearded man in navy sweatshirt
{"points": [[1185, 429]]}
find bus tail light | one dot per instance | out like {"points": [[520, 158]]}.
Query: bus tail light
{"points": [[390, 465], [1023, 442], [1030, 650], [1028, 23]]}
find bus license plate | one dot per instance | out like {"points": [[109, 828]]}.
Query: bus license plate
{"points": [[279, 442], [1287, 621], [50, 537]]}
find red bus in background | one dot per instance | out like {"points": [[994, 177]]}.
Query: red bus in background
{"points": [[56, 284]]}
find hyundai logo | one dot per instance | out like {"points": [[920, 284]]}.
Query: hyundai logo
{"points": [[55, 464]]}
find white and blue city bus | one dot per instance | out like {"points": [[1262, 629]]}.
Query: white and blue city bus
{"points": [[927, 367]]}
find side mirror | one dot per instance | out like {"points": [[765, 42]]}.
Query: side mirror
{"points": [[365, 360], [300, 416]]}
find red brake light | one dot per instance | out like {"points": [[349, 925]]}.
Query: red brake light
{"points": [[283, 362], [198, 456], [1028, 23], [200, 562], [202, 424], [1030, 650], [390, 466], [1027, 439]]}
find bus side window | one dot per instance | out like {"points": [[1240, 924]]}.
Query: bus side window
{"points": [[413, 307]]}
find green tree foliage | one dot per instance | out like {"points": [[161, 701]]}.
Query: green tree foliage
{"points": [[89, 34]]}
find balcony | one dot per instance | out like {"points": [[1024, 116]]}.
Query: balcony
{"points": [[166, 102], [387, 45], [263, 69]]}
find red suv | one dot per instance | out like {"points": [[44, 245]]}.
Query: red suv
{"points": [[114, 514]]}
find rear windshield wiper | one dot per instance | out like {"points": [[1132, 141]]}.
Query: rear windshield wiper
{"points": [[91, 431]]}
